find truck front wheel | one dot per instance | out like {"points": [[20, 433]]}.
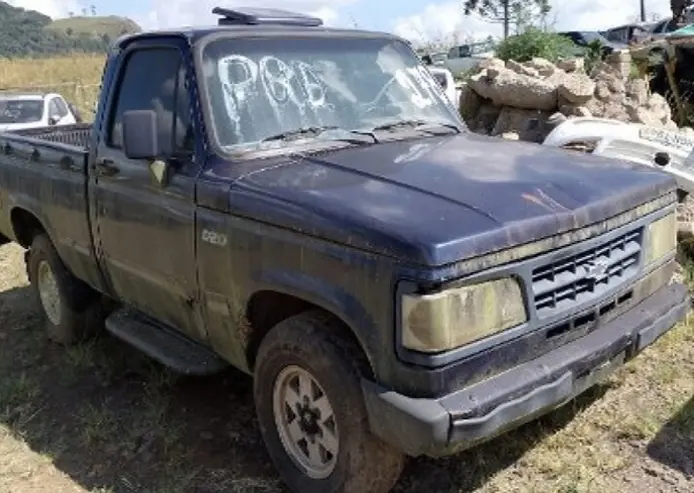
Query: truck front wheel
{"points": [[70, 306], [311, 412]]}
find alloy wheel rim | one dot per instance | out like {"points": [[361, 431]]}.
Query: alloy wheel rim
{"points": [[49, 292], [306, 422]]}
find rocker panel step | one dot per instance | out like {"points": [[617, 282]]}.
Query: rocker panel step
{"points": [[168, 346]]}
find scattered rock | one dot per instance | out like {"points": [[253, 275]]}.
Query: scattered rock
{"points": [[481, 83], [497, 99], [620, 61], [576, 88], [603, 91], [616, 111], [521, 69], [469, 103], [518, 121], [659, 106], [617, 86], [493, 72], [522, 91], [544, 67], [637, 89], [491, 62], [486, 118], [643, 115], [685, 216], [572, 65], [577, 111]]}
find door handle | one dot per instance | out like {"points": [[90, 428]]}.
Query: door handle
{"points": [[106, 167]]}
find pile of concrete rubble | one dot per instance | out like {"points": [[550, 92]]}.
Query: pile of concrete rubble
{"points": [[525, 100]]}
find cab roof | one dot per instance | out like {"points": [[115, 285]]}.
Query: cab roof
{"points": [[14, 94], [254, 21]]}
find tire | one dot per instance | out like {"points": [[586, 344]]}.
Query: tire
{"points": [[71, 308], [309, 344]]}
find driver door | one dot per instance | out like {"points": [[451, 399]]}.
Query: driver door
{"points": [[145, 231], [58, 112]]}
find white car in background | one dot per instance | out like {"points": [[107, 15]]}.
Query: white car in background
{"points": [[25, 110], [464, 58], [671, 151], [445, 79]]}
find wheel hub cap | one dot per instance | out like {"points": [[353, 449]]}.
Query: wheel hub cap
{"points": [[48, 292], [306, 422]]}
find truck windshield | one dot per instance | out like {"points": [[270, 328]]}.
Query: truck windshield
{"points": [[18, 110], [262, 88]]}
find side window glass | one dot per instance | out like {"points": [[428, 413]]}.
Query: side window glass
{"points": [[147, 82], [61, 107], [183, 126], [53, 111]]}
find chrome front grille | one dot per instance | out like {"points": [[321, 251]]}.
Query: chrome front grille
{"points": [[587, 275]]}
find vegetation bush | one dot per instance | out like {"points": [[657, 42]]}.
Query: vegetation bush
{"points": [[536, 43], [26, 33]]}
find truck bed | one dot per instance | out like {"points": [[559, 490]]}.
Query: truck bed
{"points": [[43, 175], [76, 135]]}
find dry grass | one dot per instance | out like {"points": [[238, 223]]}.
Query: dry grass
{"points": [[76, 77]]}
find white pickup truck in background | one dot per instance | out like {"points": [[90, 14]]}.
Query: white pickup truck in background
{"points": [[463, 58], [26, 110]]}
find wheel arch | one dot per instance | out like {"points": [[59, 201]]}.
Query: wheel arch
{"points": [[268, 307], [26, 225]]}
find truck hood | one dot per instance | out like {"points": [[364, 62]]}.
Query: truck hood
{"points": [[438, 200]]}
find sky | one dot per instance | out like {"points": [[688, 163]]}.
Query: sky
{"points": [[418, 20]]}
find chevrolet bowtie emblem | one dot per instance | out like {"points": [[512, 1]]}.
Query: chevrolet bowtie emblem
{"points": [[596, 270]]}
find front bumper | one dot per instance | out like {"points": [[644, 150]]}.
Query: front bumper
{"points": [[464, 418]]}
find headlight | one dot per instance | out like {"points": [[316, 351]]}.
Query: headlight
{"points": [[661, 238], [452, 318]]}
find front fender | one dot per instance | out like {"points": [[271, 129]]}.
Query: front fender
{"points": [[328, 296]]}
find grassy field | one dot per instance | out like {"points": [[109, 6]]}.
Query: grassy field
{"points": [[75, 77]]}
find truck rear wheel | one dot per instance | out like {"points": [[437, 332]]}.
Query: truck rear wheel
{"points": [[71, 307], [311, 411]]}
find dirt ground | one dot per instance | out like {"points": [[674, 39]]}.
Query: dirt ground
{"points": [[102, 418]]}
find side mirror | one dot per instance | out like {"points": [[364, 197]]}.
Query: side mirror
{"points": [[140, 136], [53, 120], [141, 141]]}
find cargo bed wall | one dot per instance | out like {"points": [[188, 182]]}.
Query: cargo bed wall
{"points": [[77, 135], [43, 174]]}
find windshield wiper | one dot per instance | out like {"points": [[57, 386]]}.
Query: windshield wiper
{"points": [[316, 131], [414, 124]]}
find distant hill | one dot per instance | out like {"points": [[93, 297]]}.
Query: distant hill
{"points": [[30, 33], [111, 25]]}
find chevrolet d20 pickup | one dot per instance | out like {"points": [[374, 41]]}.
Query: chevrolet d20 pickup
{"points": [[304, 204]]}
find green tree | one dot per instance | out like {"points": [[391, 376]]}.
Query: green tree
{"points": [[507, 12]]}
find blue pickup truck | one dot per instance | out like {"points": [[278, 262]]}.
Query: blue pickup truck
{"points": [[304, 204]]}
